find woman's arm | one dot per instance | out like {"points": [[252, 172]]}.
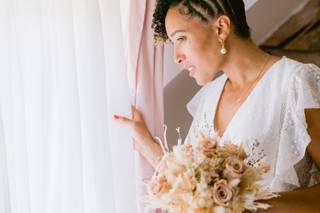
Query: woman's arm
{"points": [[143, 141], [306, 200], [313, 121]]}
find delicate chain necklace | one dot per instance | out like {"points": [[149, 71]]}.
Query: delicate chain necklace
{"points": [[243, 94]]}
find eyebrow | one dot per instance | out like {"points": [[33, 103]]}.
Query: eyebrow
{"points": [[177, 31]]}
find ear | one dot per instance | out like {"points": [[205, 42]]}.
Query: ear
{"points": [[222, 27]]}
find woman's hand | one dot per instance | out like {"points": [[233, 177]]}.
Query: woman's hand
{"points": [[143, 140]]}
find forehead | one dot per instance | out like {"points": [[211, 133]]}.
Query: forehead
{"points": [[176, 20]]}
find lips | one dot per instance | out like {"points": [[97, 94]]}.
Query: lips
{"points": [[191, 69]]}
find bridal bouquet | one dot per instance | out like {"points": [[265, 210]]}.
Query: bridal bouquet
{"points": [[208, 178]]}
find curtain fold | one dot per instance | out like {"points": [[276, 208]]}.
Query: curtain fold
{"points": [[145, 74], [122, 154]]}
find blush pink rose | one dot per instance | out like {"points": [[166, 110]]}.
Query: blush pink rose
{"points": [[222, 193], [235, 167], [207, 147]]}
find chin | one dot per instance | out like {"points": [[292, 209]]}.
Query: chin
{"points": [[204, 79], [201, 82]]}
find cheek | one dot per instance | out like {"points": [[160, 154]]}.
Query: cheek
{"points": [[195, 54], [204, 54], [202, 49], [212, 56]]}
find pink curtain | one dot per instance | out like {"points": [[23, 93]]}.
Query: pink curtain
{"points": [[145, 75]]}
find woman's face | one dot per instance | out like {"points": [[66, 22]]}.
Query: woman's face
{"points": [[196, 45]]}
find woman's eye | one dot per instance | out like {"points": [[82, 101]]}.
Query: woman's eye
{"points": [[181, 38]]}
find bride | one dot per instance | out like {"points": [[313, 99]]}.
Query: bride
{"points": [[270, 105]]}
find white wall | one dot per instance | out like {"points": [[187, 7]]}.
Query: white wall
{"points": [[266, 16]]}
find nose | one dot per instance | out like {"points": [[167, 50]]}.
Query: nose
{"points": [[179, 57]]}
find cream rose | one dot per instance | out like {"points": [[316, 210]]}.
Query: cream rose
{"points": [[222, 193]]}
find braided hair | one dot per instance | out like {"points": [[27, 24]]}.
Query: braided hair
{"points": [[205, 10]]}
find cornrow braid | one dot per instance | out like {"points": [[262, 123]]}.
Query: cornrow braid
{"points": [[193, 9], [205, 10], [220, 5], [202, 7], [213, 6]]}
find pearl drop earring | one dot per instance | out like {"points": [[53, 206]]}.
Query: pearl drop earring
{"points": [[223, 50]]}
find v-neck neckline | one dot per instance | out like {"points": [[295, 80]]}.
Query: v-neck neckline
{"points": [[238, 111]]}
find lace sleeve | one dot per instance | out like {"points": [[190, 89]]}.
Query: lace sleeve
{"points": [[303, 93]]}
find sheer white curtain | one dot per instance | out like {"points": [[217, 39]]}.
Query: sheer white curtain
{"points": [[145, 70], [62, 76]]}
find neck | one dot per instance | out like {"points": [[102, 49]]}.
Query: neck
{"points": [[244, 62]]}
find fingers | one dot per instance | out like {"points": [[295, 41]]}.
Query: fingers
{"points": [[136, 114], [123, 120], [136, 117]]}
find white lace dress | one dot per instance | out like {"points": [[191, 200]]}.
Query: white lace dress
{"points": [[270, 124]]}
